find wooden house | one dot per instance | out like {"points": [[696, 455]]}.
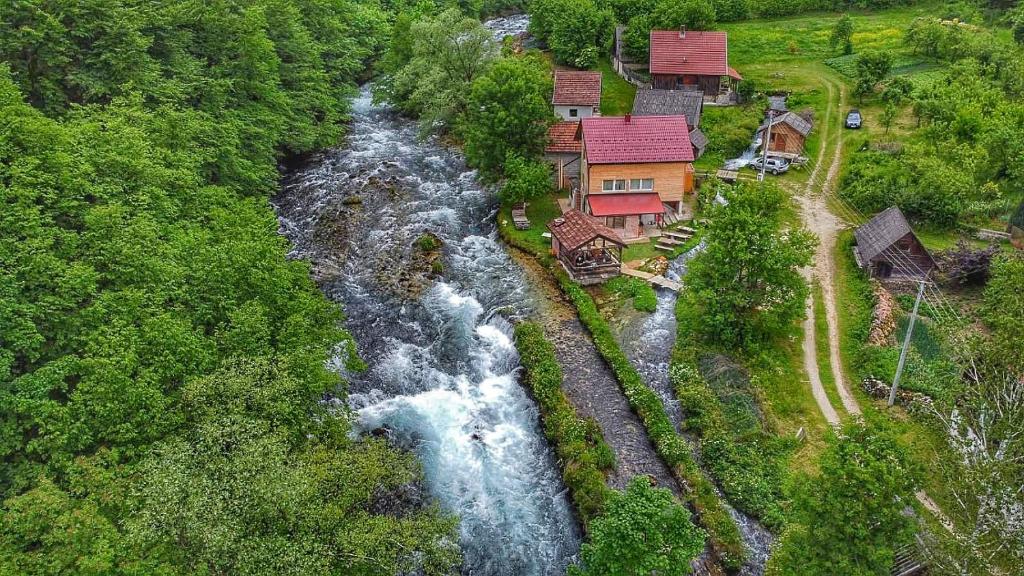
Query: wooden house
{"points": [[689, 103], [691, 60], [562, 151], [633, 170], [588, 250], [577, 95], [788, 134], [888, 248]]}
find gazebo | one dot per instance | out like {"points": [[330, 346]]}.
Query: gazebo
{"points": [[588, 250]]}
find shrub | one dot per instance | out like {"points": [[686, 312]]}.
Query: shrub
{"points": [[582, 451], [644, 297], [428, 242]]}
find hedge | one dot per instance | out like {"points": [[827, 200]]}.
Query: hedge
{"points": [[581, 449], [722, 530]]}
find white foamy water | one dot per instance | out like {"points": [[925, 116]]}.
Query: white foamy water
{"points": [[443, 368]]}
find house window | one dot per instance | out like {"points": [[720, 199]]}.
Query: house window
{"points": [[646, 184], [617, 221], [573, 112], [613, 185]]}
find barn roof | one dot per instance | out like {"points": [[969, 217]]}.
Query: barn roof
{"points": [[652, 102], [574, 229], [689, 52], [699, 141], [792, 119], [574, 87], [881, 232], [562, 138], [636, 140]]}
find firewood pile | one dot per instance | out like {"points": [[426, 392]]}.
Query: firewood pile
{"points": [[883, 319]]}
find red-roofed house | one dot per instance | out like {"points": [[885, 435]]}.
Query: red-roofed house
{"points": [[691, 60], [633, 169], [577, 95], [563, 153]]}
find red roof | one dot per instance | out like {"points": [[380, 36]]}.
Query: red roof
{"points": [[562, 138], [637, 139], [574, 229], [582, 88], [625, 204], [701, 53]]}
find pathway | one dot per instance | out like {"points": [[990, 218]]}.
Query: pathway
{"points": [[591, 386]]}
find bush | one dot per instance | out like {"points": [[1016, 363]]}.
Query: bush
{"points": [[525, 180], [428, 242], [644, 297], [581, 450], [723, 532]]}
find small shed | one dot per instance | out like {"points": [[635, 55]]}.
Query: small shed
{"points": [[788, 134], [588, 250], [577, 94], [1016, 228], [888, 248], [562, 151]]}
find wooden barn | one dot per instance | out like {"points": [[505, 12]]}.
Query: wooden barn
{"points": [[788, 135], [588, 250], [888, 248], [691, 60], [689, 103]]}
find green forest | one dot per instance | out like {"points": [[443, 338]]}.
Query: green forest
{"points": [[166, 367]]}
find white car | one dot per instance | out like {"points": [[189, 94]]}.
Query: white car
{"points": [[774, 165]]}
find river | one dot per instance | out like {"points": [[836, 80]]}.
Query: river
{"points": [[443, 369]]}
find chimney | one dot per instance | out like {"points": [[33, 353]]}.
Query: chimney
{"points": [[682, 31], [628, 118]]}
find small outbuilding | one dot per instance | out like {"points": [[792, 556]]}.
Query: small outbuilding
{"points": [[562, 151], [577, 94], [588, 250], [888, 248], [788, 134], [689, 103]]}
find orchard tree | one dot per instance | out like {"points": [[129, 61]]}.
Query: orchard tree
{"points": [[872, 68], [747, 281], [849, 518], [581, 31], [643, 530], [842, 35], [509, 112]]}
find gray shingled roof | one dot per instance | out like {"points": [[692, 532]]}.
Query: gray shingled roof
{"points": [[799, 124], [699, 141], [652, 102], [881, 232]]}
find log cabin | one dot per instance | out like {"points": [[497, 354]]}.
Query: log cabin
{"points": [[888, 248], [788, 135]]}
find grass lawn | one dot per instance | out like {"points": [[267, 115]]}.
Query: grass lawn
{"points": [[616, 94], [539, 211]]}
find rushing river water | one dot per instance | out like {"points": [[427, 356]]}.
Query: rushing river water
{"points": [[649, 346], [443, 368]]}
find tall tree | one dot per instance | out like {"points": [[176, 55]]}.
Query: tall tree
{"points": [[746, 282], [509, 112], [842, 34]]}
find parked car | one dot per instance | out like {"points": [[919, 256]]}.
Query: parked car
{"points": [[771, 164], [853, 119]]}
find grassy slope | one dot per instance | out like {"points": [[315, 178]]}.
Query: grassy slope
{"points": [[616, 94]]}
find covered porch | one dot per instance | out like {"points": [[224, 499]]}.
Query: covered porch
{"points": [[589, 251]]}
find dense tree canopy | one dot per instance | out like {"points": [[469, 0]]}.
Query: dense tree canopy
{"points": [[161, 362], [747, 281]]}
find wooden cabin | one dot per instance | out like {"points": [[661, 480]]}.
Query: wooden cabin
{"points": [[691, 60], [788, 135], [589, 251], [888, 248]]}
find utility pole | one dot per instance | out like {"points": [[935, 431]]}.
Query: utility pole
{"points": [[906, 344], [764, 144]]}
